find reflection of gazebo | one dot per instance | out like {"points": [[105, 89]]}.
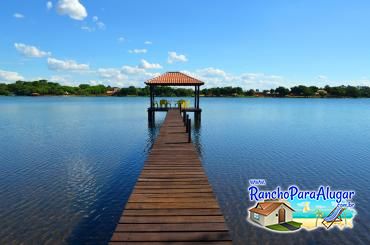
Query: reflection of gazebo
{"points": [[174, 79]]}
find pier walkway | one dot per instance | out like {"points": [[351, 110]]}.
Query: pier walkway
{"points": [[172, 201]]}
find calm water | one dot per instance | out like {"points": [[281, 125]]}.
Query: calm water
{"points": [[68, 165]]}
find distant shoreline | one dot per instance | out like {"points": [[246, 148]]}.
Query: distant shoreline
{"points": [[227, 97], [45, 88]]}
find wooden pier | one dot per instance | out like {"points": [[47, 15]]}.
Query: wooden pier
{"points": [[172, 202]]}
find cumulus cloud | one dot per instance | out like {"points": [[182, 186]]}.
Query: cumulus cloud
{"points": [[132, 70], [174, 57], [18, 16], [138, 51], [66, 65], [146, 65], [214, 77], [49, 5], [210, 71], [112, 75], [125, 76], [72, 8], [9, 76], [30, 51]]}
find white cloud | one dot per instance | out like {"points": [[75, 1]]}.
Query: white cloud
{"points": [[138, 51], [214, 77], [174, 57], [125, 76], [148, 42], [72, 8], [112, 74], [95, 18], [10, 76], [18, 16], [121, 39], [66, 65], [210, 71], [49, 5], [132, 70], [146, 65], [30, 51]]}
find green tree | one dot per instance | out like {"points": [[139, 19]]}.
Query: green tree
{"points": [[281, 91], [352, 92]]}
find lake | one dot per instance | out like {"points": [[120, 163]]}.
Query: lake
{"points": [[68, 164]]}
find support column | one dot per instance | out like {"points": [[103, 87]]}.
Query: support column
{"points": [[151, 111], [195, 97], [198, 93]]}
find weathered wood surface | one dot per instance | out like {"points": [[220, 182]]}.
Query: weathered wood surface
{"points": [[172, 201]]}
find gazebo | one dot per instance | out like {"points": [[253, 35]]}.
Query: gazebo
{"points": [[174, 79]]}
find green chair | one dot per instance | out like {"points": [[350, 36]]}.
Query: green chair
{"points": [[164, 103], [178, 103]]}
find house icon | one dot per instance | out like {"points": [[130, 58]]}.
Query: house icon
{"points": [[271, 212]]}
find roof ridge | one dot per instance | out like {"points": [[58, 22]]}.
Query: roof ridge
{"points": [[176, 78]]}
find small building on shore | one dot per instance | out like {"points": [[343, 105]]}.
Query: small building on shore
{"points": [[271, 212], [113, 91]]}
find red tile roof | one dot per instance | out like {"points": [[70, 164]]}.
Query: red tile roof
{"points": [[175, 79], [266, 208]]}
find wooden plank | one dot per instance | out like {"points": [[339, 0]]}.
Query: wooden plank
{"points": [[183, 219], [144, 205], [194, 189], [173, 227], [172, 201], [171, 236], [162, 212]]}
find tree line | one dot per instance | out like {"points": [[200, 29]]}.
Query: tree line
{"points": [[43, 87]]}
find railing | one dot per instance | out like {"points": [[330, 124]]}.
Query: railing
{"points": [[187, 124]]}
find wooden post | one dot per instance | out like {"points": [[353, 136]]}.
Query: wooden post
{"points": [[198, 97], [151, 96], [189, 130], [195, 97], [187, 125]]}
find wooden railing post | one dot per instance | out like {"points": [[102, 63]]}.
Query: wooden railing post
{"points": [[187, 123], [189, 130]]}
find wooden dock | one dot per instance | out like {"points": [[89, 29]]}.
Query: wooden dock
{"points": [[172, 201]]}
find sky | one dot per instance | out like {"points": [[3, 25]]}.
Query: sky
{"points": [[252, 44]]}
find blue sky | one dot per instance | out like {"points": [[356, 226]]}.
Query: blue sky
{"points": [[253, 44]]}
